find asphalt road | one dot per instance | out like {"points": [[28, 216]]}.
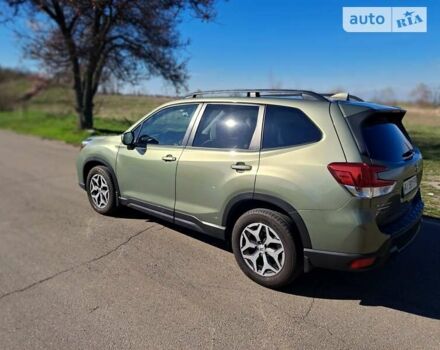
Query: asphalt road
{"points": [[72, 279]]}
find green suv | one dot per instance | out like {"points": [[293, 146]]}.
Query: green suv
{"points": [[291, 179]]}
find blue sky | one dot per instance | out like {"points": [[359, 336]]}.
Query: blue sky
{"points": [[294, 44]]}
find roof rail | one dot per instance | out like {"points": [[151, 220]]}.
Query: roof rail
{"points": [[258, 93]]}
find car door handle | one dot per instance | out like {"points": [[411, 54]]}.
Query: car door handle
{"points": [[241, 166], [169, 158]]}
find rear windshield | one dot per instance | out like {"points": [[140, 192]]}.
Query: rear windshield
{"points": [[386, 142]]}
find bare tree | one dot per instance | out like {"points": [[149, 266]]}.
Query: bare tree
{"points": [[274, 83], [92, 40], [422, 94], [385, 95], [436, 96]]}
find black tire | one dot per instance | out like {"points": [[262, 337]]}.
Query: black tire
{"points": [[284, 228], [111, 205]]}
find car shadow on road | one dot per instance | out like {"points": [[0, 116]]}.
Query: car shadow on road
{"points": [[409, 282], [128, 213]]}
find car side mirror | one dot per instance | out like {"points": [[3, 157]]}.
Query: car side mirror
{"points": [[128, 138]]}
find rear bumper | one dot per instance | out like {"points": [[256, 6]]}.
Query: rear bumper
{"points": [[342, 261]]}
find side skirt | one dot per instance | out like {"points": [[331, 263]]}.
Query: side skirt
{"points": [[178, 218]]}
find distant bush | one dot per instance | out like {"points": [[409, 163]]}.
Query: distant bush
{"points": [[15, 84], [10, 74], [7, 100], [7, 97]]}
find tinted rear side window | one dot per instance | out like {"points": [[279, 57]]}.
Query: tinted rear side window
{"points": [[285, 126], [226, 126], [386, 142]]}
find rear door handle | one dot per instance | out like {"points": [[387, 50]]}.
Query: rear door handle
{"points": [[241, 166], [169, 158]]}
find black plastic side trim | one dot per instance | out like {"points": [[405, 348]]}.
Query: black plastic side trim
{"points": [[110, 168], [331, 260], [82, 185], [233, 202], [178, 218], [154, 210], [304, 234], [193, 223]]}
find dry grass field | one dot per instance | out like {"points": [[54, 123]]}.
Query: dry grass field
{"points": [[58, 101], [423, 124]]}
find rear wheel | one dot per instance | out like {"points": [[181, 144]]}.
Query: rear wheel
{"points": [[101, 190], [265, 249]]}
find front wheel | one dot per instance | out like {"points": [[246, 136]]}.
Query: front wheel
{"points": [[101, 190], [265, 249]]}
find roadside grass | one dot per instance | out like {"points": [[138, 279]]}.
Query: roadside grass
{"points": [[54, 127], [423, 125], [427, 138]]}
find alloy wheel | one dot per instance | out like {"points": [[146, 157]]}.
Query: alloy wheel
{"points": [[262, 249], [99, 191]]}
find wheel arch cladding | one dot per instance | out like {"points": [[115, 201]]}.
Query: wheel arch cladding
{"points": [[90, 163], [247, 201]]}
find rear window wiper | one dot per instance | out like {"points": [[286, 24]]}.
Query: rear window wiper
{"points": [[408, 155]]}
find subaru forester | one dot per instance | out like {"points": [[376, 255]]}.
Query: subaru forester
{"points": [[291, 179]]}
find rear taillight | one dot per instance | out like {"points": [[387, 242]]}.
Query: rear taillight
{"points": [[361, 179]]}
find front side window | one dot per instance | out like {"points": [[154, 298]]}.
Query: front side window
{"points": [[287, 127], [226, 126], [169, 125]]}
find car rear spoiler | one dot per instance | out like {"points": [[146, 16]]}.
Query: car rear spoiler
{"points": [[360, 114], [352, 108]]}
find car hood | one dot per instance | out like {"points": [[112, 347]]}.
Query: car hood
{"points": [[116, 139]]}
